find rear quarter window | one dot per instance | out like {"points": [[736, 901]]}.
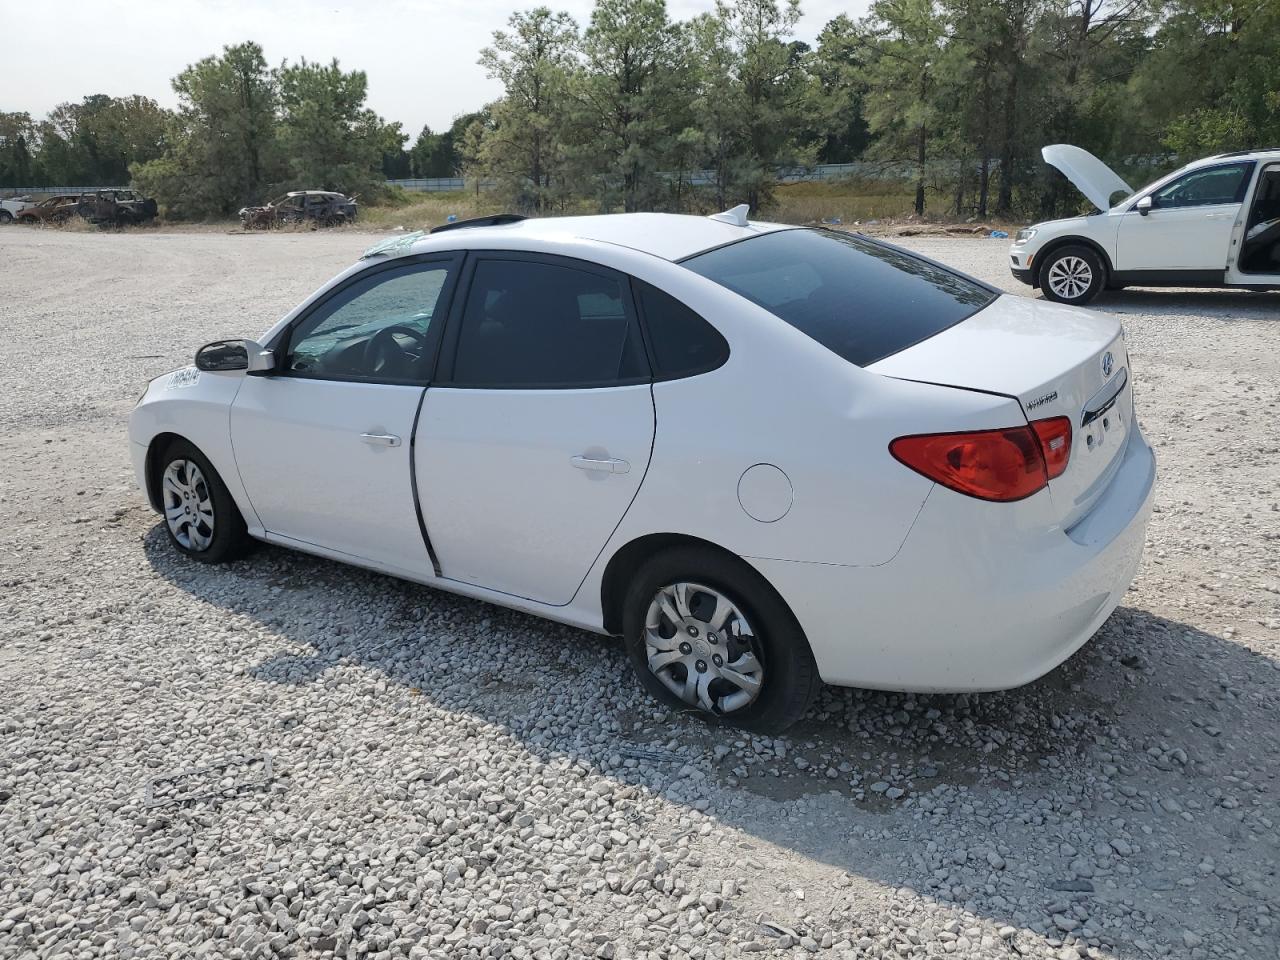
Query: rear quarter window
{"points": [[861, 299]]}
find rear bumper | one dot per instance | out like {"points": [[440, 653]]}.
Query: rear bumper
{"points": [[981, 596]]}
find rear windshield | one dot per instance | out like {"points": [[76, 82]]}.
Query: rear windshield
{"points": [[858, 298]]}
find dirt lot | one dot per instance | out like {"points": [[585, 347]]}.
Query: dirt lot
{"points": [[454, 780]]}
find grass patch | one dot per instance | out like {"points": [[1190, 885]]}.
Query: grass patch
{"points": [[421, 211], [849, 200]]}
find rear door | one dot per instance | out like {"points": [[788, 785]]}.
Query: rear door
{"points": [[1190, 223], [323, 445], [536, 434]]}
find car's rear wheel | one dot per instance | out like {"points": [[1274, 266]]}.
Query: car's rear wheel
{"points": [[200, 516], [707, 634], [1072, 275], [6, 216]]}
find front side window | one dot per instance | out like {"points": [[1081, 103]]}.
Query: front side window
{"points": [[382, 327], [1226, 184], [860, 299], [533, 324]]}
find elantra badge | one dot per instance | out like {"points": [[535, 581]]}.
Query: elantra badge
{"points": [[1108, 362]]}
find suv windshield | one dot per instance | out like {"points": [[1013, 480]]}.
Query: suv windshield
{"points": [[859, 298]]}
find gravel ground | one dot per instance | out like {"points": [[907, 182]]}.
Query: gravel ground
{"points": [[453, 780]]}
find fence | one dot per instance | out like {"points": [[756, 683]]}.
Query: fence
{"points": [[50, 191], [888, 170], [866, 169]]}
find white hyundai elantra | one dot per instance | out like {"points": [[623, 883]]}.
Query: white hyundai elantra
{"points": [[764, 455]]}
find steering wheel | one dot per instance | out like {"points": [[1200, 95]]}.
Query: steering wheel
{"points": [[384, 354]]}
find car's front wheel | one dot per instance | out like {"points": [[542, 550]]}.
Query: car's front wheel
{"points": [[200, 516], [6, 216], [1072, 275], [707, 633]]}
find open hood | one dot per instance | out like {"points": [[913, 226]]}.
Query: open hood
{"points": [[1090, 175]]}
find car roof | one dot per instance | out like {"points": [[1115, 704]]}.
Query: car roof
{"points": [[670, 236], [1264, 153]]}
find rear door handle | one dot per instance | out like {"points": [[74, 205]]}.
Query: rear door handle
{"points": [[381, 439], [602, 466]]}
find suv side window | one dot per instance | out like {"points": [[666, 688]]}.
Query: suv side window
{"points": [[1225, 184], [531, 323], [384, 327], [683, 344]]}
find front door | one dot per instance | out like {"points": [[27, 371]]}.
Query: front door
{"points": [[535, 438], [323, 445], [1190, 222]]}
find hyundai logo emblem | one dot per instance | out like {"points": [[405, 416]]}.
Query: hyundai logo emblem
{"points": [[1108, 362]]}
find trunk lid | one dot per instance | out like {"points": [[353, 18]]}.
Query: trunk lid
{"points": [[1054, 361], [1087, 173]]}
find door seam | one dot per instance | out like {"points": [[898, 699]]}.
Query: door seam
{"points": [[413, 484]]}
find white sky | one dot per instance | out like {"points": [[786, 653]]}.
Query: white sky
{"points": [[420, 55]]}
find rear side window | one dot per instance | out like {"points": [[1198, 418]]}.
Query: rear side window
{"points": [[535, 324], [683, 343], [860, 299]]}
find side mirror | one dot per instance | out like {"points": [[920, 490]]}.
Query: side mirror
{"points": [[223, 356], [1143, 206]]}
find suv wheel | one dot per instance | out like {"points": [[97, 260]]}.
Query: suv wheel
{"points": [[1072, 275]]}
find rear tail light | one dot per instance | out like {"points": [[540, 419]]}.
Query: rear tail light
{"points": [[1001, 465], [1055, 442]]}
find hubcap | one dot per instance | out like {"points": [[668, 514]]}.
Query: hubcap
{"points": [[188, 505], [1070, 277], [702, 648]]}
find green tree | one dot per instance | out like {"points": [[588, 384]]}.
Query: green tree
{"points": [[906, 45], [1212, 79], [752, 104], [17, 131], [440, 154], [836, 91], [631, 99], [329, 138], [523, 147], [222, 151]]}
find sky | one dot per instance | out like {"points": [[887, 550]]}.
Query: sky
{"points": [[420, 55]]}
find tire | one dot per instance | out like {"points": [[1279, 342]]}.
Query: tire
{"points": [[190, 490], [27, 220], [1073, 275], [760, 636], [6, 216]]}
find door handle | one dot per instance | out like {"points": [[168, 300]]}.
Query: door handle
{"points": [[602, 466], [381, 439]]}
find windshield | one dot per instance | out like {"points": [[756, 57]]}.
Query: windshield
{"points": [[861, 299]]}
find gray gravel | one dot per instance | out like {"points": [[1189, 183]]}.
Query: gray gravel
{"points": [[453, 780]]}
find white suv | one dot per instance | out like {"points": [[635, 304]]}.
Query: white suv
{"points": [[1213, 223]]}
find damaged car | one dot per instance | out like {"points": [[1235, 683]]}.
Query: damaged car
{"points": [[119, 207], [322, 208], [56, 209], [1211, 223]]}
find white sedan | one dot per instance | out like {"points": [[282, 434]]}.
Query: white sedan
{"points": [[764, 455], [1212, 223]]}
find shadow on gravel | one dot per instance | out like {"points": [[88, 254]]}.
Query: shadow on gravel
{"points": [[1206, 304], [1112, 797]]}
